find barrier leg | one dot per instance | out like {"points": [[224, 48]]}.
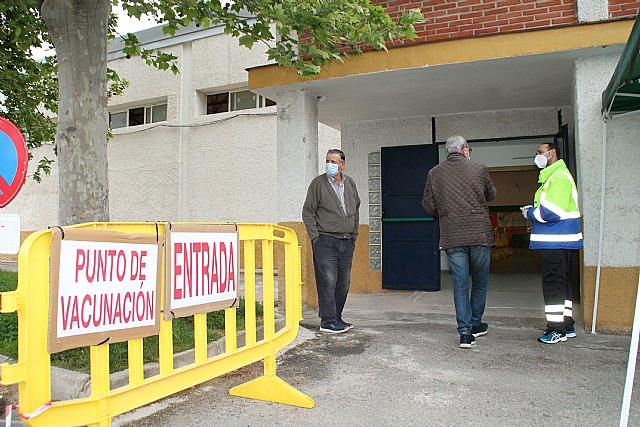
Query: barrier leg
{"points": [[273, 389], [270, 388]]}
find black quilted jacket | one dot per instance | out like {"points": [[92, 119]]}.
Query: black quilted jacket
{"points": [[457, 192]]}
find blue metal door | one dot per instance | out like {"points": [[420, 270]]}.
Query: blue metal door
{"points": [[410, 236]]}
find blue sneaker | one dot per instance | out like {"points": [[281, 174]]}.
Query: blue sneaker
{"points": [[552, 337], [334, 328], [347, 324], [570, 332]]}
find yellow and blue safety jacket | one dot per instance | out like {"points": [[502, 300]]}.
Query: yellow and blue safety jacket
{"points": [[555, 215]]}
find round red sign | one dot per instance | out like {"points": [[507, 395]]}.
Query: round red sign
{"points": [[13, 161]]}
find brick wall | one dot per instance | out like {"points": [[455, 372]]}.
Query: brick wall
{"points": [[622, 8], [448, 19], [451, 19]]}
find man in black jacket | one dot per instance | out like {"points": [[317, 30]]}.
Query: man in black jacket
{"points": [[331, 216], [457, 192]]}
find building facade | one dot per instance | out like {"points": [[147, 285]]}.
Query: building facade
{"points": [[196, 146], [507, 75]]}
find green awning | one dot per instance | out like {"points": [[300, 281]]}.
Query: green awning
{"points": [[622, 95]]}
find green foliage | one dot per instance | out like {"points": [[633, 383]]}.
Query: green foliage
{"points": [[28, 88], [330, 29], [8, 321]]}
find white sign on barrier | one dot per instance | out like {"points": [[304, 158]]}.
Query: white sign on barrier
{"points": [[9, 234], [201, 268], [104, 287]]}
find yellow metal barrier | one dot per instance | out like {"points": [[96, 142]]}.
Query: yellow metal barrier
{"points": [[32, 372]]}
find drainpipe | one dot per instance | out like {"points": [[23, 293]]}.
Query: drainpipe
{"points": [[601, 228]]}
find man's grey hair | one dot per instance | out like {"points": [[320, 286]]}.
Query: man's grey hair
{"points": [[455, 144], [337, 151]]}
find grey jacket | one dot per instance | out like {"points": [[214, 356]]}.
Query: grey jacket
{"points": [[322, 213], [457, 192]]}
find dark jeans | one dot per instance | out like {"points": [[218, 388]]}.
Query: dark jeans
{"points": [[556, 288], [332, 259], [465, 260]]}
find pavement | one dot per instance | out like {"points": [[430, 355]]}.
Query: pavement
{"points": [[401, 366]]}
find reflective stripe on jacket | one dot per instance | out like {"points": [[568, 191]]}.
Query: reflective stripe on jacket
{"points": [[555, 215]]}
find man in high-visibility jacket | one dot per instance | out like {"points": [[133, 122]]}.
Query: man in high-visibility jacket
{"points": [[556, 230]]}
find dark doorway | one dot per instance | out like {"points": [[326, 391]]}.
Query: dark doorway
{"points": [[410, 237], [516, 187]]}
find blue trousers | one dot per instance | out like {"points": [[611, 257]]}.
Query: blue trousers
{"points": [[467, 260], [332, 258]]}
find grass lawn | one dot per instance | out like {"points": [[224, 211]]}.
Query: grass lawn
{"points": [[77, 359]]}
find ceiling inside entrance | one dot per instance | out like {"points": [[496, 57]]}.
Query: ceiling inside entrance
{"points": [[519, 82]]}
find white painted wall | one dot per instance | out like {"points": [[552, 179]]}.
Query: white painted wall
{"points": [[220, 64], [144, 174], [233, 169], [622, 203], [498, 124], [193, 167], [297, 151]]}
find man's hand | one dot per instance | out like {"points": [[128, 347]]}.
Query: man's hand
{"points": [[524, 210]]}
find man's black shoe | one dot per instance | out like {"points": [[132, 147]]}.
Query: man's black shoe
{"points": [[479, 330], [347, 324], [466, 341], [334, 328]]}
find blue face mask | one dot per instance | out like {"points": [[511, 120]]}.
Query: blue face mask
{"points": [[331, 169]]}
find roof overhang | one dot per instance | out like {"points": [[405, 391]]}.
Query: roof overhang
{"points": [[515, 70], [622, 94]]}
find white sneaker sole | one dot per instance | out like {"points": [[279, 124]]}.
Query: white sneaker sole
{"points": [[331, 331], [563, 339], [480, 334]]}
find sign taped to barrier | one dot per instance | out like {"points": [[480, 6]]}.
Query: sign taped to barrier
{"points": [[105, 287], [201, 267]]}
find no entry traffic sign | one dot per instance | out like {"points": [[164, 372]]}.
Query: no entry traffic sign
{"points": [[13, 161]]}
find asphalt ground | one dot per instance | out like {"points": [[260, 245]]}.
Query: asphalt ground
{"points": [[401, 366]]}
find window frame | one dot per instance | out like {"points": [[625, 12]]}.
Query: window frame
{"points": [[147, 109], [231, 99]]}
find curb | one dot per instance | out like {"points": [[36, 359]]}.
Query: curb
{"points": [[67, 384]]}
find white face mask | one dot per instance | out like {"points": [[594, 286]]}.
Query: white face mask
{"points": [[540, 160]]}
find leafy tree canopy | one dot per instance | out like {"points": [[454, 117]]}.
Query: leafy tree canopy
{"points": [[329, 29]]}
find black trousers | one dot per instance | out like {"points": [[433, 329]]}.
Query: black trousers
{"points": [[556, 287], [332, 259]]}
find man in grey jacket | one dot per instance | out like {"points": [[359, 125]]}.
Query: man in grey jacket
{"points": [[457, 192], [331, 216]]}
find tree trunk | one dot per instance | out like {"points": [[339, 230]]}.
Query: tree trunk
{"points": [[78, 29]]}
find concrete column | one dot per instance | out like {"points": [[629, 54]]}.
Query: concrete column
{"points": [[621, 242], [186, 73], [297, 151], [592, 10]]}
